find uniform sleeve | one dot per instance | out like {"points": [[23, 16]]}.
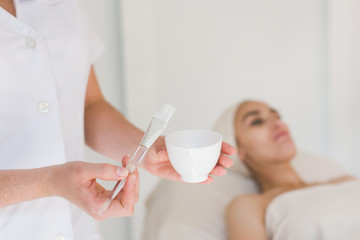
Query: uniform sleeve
{"points": [[95, 44]]}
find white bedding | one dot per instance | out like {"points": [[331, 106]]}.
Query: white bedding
{"points": [[180, 211], [323, 212]]}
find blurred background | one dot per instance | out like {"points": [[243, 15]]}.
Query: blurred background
{"points": [[201, 56]]}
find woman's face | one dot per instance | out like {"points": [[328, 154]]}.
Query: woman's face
{"points": [[261, 134]]}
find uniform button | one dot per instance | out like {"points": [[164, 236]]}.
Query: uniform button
{"points": [[44, 107], [59, 237], [30, 42]]}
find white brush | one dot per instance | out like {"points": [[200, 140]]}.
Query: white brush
{"points": [[157, 126]]}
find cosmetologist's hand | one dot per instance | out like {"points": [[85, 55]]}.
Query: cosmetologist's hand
{"points": [[76, 182], [157, 161]]}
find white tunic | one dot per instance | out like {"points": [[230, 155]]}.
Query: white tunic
{"points": [[324, 212], [45, 57]]}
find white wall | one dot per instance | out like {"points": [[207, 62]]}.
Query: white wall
{"points": [[203, 55], [344, 62]]}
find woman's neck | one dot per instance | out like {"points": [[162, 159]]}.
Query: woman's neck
{"points": [[277, 175]]}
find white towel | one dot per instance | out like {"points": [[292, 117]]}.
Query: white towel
{"points": [[226, 127], [323, 212]]}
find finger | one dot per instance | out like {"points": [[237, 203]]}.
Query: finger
{"points": [[106, 171], [125, 160], [160, 144], [225, 161], [162, 155], [130, 193], [218, 171], [137, 186], [207, 181], [228, 149]]}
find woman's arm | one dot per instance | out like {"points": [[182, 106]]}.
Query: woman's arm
{"points": [[245, 218]]}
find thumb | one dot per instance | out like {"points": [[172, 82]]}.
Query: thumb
{"points": [[125, 160], [162, 154], [110, 172]]}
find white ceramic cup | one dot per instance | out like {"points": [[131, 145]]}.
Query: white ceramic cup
{"points": [[193, 153]]}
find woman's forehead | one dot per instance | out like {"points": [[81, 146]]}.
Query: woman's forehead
{"points": [[251, 106]]}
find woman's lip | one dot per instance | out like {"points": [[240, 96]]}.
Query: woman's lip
{"points": [[280, 135]]}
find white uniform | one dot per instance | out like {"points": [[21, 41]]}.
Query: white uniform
{"points": [[45, 57]]}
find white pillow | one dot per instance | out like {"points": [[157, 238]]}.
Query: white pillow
{"points": [[179, 211]]}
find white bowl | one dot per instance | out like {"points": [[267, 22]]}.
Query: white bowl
{"points": [[193, 153]]}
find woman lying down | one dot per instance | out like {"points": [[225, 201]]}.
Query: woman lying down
{"points": [[287, 208]]}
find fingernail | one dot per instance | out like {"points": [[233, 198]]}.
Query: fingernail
{"points": [[128, 155], [122, 172]]}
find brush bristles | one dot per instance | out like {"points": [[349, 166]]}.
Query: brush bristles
{"points": [[165, 113]]}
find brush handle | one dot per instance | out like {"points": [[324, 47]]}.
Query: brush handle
{"points": [[131, 166]]}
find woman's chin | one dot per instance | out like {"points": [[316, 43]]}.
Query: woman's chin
{"points": [[287, 150]]}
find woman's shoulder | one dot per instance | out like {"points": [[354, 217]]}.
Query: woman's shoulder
{"points": [[245, 199], [244, 217], [253, 204], [259, 201]]}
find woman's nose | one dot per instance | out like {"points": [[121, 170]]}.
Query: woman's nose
{"points": [[276, 122]]}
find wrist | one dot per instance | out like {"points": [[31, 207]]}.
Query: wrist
{"points": [[52, 179]]}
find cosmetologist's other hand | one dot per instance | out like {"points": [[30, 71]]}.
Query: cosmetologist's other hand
{"points": [[157, 161]]}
